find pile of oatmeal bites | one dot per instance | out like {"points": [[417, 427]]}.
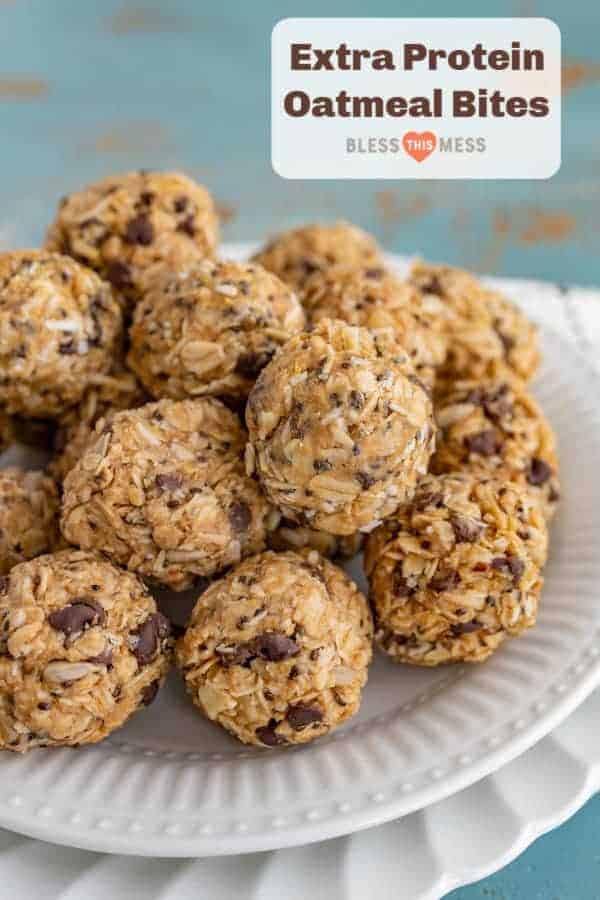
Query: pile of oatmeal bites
{"points": [[240, 428]]}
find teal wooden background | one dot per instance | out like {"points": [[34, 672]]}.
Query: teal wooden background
{"points": [[88, 88]]}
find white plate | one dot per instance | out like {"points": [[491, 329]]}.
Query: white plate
{"points": [[420, 857], [172, 784]]}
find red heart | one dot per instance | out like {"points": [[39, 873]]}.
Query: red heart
{"points": [[419, 145]]}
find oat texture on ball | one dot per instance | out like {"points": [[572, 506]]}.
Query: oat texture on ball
{"points": [[485, 330], [110, 393], [456, 571], [341, 428], [212, 330], [496, 427], [375, 298], [163, 490], [277, 652], [60, 327], [128, 227], [289, 535], [29, 513], [82, 647], [295, 254]]}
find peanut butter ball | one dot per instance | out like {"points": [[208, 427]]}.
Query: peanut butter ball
{"points": [[29, 512]]}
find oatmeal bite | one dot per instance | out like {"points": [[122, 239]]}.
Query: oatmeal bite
{"points": [[295, 254], [110, 393], [375, 298], [127, 227], [277, 652], [163, 491], [495, 427], [340, 428], [212, 330], [60, 327], [484, 329], [457, 570], [29, 513], [82, 647]]}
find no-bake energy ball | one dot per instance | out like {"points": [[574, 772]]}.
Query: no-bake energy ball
{"points": [[495, 427], [277, 651], [29, 511], [484, 329], [59, 328], [375, 298], [82, 647], [127, 227], [108, 394], [340, 427], [294, 255], [457, 570], [163, 491], [211, 331]]}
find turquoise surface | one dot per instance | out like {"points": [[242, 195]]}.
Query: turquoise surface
{"points": [[87, 88]]}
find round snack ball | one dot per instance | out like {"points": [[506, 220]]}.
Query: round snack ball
{"points": [[163, 491], [82, 647], [340, 427], [277, 652], [289, 535], [29, 509], [108, 394], [457, 570], [59, 327], [7, 430], [211, 331], [484, 329], [375, 298], [126, 227], [295, 254], [495, 427]]}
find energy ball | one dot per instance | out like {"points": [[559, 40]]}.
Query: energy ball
{"points": [[108, 394], [82, 647], [127, 227], [375, 298], [29, 512], [163, 491], [495, 427], [295, 254], [340, 427], [289, 535], [457, 570], [59, 328], [484, 329], [277, 652], [210, 332]]}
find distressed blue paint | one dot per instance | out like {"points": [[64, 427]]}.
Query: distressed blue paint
{"points": [[190, 89]]}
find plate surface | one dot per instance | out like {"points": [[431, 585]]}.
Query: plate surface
{"points": [[171, 784]]}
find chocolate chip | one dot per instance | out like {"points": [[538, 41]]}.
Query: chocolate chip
{"points": [[77, 616], [68, 348], [538, 472], [45, 706], [430, 498], [465, 628], [188, 226], [168, 481], [433, 285], [274, 647], [322, 465], [150, 691], [509, 565], [269, 737], [139, 230], [444, 582], [356, 399], [466, 530], [250, 364], [119, 275], [486, 443], [301, 715], [180, 203], [240, 516], [365, 480], [147, 637], [147, 197], [103, 659], [374, 273]]}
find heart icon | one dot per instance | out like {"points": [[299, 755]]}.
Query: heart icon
{"points": [[419, 145]]}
